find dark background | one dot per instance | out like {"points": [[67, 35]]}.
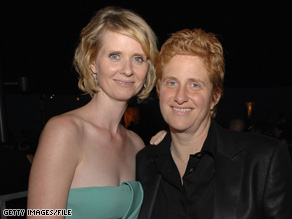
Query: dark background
{"points": [[38, 39]]}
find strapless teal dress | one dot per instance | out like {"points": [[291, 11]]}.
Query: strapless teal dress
{"points": [[107, 202]]}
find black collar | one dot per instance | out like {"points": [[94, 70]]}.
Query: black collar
{"points": [[209, 145], [165, 163]]}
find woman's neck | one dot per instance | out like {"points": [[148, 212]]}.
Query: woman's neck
{"points": [[186, 143], [106, 112]]}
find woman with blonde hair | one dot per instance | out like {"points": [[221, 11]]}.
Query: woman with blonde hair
{"points": [[85, 159]]}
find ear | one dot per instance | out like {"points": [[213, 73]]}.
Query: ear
{"points": [[215, 99], [92, 67]]}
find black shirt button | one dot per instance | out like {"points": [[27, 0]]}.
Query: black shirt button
{"points": [[192, 170], [199, 155]]}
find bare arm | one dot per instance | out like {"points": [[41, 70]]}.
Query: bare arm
{"points": [[54, 165]]}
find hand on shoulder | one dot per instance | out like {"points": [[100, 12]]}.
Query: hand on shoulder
{"points": [[156, 139]]}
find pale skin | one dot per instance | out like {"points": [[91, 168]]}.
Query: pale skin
{"points": [[185, 104], [88, 147]]}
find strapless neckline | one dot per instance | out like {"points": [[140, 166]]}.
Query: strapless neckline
{"points": [[124, 182], [119, 202]]}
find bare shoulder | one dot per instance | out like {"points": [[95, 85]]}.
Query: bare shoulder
{"points": [[136, 139], [61, 131], [64, 123], [54, 163]]}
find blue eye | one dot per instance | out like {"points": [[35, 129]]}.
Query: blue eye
{"points": [[138, 59], [195, 85], [171, 83], [114, 56]]}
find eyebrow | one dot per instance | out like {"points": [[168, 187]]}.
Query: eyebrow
{"points": [[189, 79], [140, 54], [169, 78], [197, 80], [113, 51], [120, 52]]}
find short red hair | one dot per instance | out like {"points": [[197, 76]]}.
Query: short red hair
{"points": [[196, 43]]}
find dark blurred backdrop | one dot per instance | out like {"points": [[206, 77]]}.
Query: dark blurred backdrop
{"points": [[38, 39]]}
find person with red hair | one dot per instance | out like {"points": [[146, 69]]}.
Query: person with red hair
{"points": [[201, 170]]}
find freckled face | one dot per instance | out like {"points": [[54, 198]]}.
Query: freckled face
{"points": [[185, 93], [121, 66]]}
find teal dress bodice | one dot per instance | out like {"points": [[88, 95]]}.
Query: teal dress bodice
{"points": [[109, 202]]}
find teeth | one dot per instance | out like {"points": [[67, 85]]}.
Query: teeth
{"points": [[182, 109], [124, 83]]}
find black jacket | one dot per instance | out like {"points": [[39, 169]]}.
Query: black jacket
{"points": [[253, 176]]}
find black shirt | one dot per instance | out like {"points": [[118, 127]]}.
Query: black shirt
{"points": [[187, 200]]}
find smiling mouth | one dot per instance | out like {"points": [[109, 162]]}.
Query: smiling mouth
{"points": [[182, 109], [124, 83]]}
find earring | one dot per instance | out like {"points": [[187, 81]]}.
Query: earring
{"points": [[95, 78], [144, 85]]}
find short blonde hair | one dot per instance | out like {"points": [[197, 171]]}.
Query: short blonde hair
{"points": [[121, 21], [197, 43]]}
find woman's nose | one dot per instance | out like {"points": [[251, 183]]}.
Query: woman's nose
{"points": [[181, 95], [127, 68]]}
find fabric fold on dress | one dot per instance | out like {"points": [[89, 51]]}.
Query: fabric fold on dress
{"points": [[112, 202]]}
